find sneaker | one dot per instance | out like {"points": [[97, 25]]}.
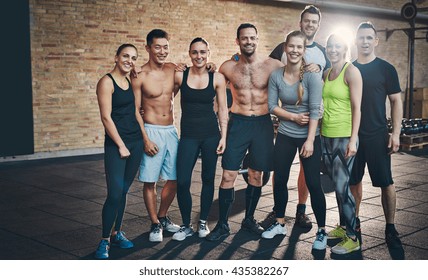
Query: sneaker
{"points": [[336, 233], [346, 246], [273, 230], [320, 242], [156, 233], [220, 231], [185, 231], [252, 226], [102, 251], [203, 229], [392, 240], [168, 225], [303, 221], [121, 241], [269, 220]]}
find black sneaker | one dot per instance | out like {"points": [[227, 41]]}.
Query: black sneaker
{"points": [[269, 220], [220, 231], [392, 240], [303, 221], [251, 225]]}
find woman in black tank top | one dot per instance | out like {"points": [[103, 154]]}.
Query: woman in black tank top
{"points": [[123, 146], [203, 132]]}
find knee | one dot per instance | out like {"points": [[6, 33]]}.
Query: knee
{"points": [[254, 177], [228, 178]]}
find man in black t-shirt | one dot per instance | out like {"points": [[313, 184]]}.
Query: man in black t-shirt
{"points": [[380, 80]]}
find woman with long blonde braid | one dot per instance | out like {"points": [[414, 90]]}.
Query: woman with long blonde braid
{"points": [[300, 94]]}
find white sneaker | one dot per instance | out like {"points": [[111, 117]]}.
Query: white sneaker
{"points": [[183, 233], [156, 233], [320, 242], [203, 229], [273, 230], [168, 225]]}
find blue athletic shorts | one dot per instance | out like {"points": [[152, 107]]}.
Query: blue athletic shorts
{"points": [[163, 164]]}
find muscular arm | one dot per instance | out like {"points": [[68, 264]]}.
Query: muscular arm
{"points": [[396, 115], [355, 82], [105, 90], [223, 111]]}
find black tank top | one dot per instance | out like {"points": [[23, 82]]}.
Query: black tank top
{"points": [[198, 119], [123, 114]]}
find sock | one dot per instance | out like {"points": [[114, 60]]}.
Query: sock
{"points": [[301, 208], [390, 228], [252, 196], [225, 200]]}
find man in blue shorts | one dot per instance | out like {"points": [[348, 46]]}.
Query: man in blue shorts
{"points": [[154, 89], [250, 129], [380, 80]]}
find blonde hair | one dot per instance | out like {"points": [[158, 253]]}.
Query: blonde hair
{"points": [[300, 88]]}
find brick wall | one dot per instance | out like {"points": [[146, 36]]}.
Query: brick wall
{"points": [[73, 43]]}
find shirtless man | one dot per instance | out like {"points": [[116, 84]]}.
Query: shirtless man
{"points": [[154, 91], [250, 129]]}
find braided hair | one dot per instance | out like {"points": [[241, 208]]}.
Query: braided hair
{"points": [[300, 88]]}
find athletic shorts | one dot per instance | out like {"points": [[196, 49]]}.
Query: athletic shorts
{"points": [[163, 164], [374, 151], [249, 134]]}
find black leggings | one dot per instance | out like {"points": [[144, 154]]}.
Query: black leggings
{"points": [[188, 152], [120, 174], [285, 151]]}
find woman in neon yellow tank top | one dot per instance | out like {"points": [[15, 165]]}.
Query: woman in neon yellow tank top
{"points": [[342, 93]]}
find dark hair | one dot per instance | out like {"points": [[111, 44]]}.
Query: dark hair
{"points": [[312, 10], [119, 50], [298, 33], [156, 33], [199, 39], [367, 25], [243, 26]]}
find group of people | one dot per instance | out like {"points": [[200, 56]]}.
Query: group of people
{"points": [[332, 111]]}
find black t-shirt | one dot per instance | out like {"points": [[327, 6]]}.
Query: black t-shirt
{"points": [[380, 79]]}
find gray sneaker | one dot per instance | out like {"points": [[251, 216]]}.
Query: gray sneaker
{"points": [[156, 233], [273, 230], [168, 225], [185, 231], [203, 229]]}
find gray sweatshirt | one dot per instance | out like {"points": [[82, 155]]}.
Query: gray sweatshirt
{"points": [[279, 90]]}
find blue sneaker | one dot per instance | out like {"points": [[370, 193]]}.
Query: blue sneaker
{"points": [[121, 241], [102, 251]]}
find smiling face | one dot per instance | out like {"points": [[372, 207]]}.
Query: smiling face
{"points": [[366, 41], [247, 41], [199, 54], [309, 25], [295, 49], [126, 59], [158, 50], [336, 48]]}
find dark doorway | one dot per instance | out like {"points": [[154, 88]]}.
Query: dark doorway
{"points": [[16, 108]]}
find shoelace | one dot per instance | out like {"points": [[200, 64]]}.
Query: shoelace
{"points": [[320, 236], [202, 226]]}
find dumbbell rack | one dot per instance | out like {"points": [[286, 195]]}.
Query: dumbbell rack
{"points": [[413, 141]]}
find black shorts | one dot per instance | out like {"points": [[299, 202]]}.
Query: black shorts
{"points": [[252, 134], [374, 151]]}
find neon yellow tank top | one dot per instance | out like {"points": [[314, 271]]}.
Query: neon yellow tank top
{"points": [[337, 117]]}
